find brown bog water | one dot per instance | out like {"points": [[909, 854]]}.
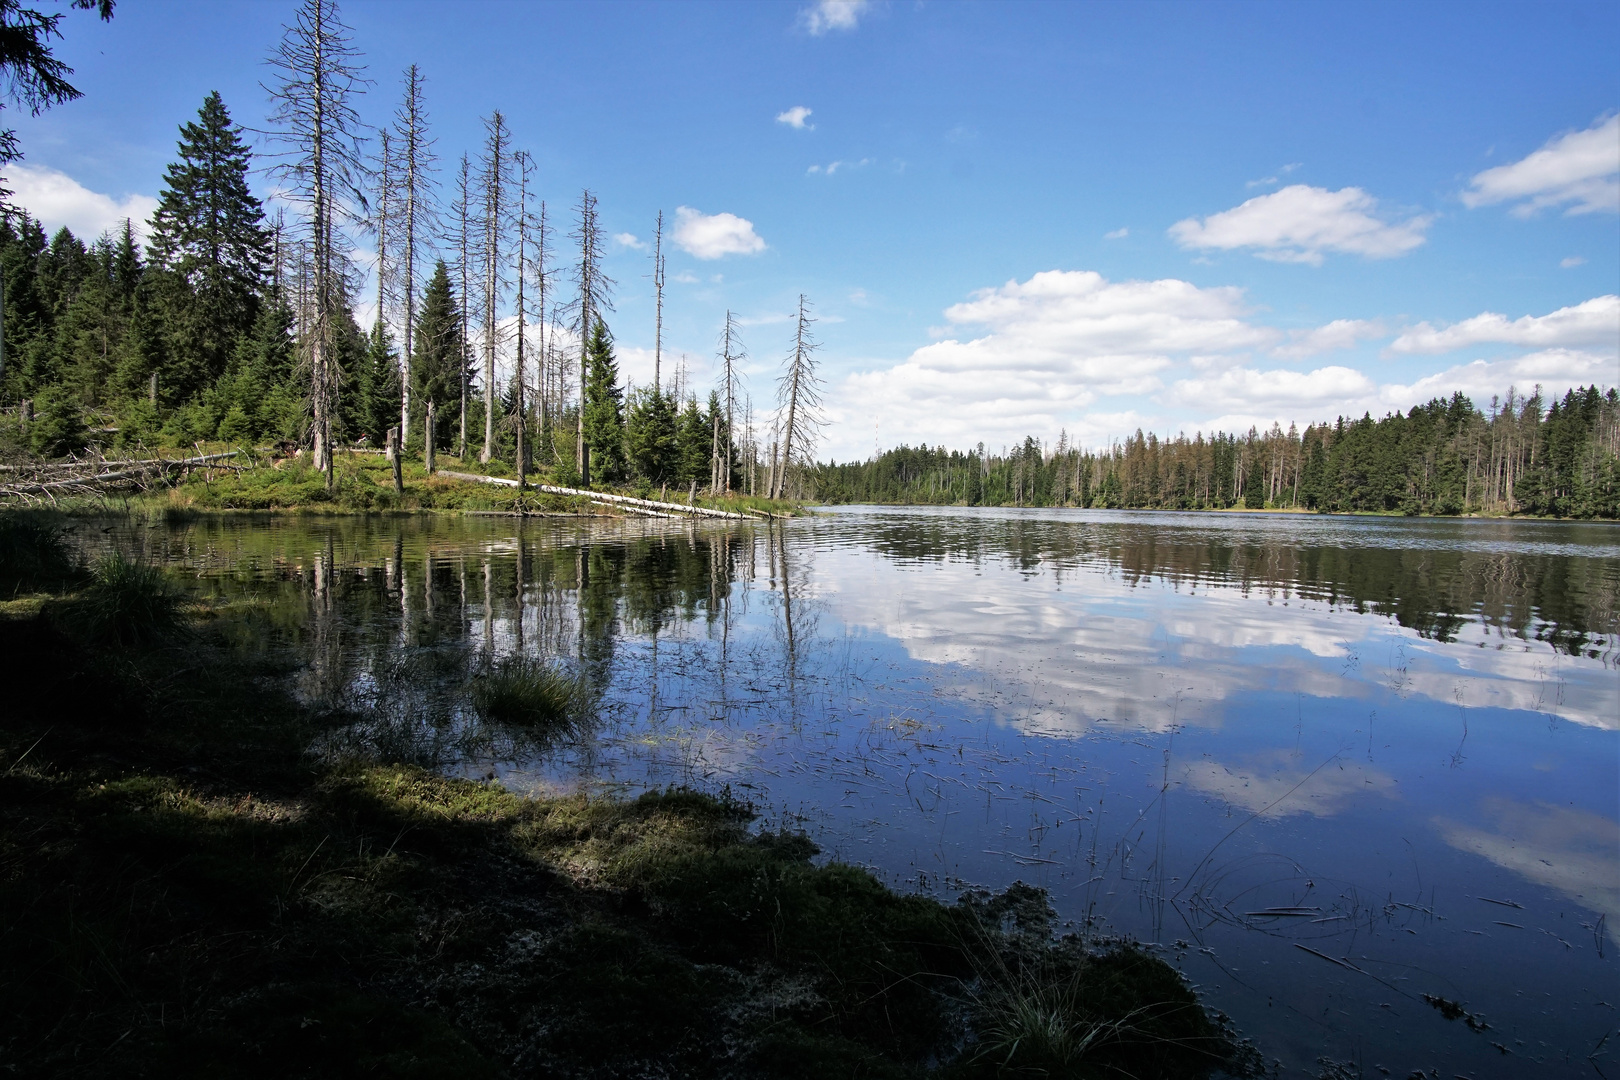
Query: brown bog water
{"points": [[1358, 778]]}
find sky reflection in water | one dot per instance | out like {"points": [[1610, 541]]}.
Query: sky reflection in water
{"points": [[1332, 765]]}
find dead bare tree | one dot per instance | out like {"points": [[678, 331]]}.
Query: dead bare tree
{"points": [[732, 354], [416, 216], [798, 391], [464, 265], [318, 75], [658, 292], [520, 418], [496, 185], [595, 297]]}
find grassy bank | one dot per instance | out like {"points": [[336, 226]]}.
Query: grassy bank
{"points": [[363, 483], [188, 889]]}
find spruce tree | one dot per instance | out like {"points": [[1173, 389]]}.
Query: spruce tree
{"points": [[376, 400], [441, 357], [208, 237], [650, 436], [693, 443], [604, 407]]}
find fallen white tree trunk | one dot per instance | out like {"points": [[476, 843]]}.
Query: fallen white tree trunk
{"points": [[650, 506]]}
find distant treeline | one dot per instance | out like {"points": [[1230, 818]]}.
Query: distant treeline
{"points": [[1524, 456]]}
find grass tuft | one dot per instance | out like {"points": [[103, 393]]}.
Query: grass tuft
{"points": [[524, 692], [33, 554], [129, 602]]}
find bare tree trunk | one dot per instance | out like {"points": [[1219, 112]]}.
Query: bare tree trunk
{"points": [[494, 211], [658, 291], [429, 433], [524, 168]]}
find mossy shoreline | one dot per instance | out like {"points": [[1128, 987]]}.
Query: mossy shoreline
{"points": [[363, 483], [189, 889]]}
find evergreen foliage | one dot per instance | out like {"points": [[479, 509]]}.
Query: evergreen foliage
{"points": [[1444, 457], [604, 407], [209, 247], [440, 356]]}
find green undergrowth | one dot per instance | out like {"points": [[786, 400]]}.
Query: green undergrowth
{"points": [[187, 890]]}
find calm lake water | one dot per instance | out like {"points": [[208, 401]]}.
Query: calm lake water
{"points": [[1329, 765]]}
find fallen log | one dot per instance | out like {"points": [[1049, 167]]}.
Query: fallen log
{"points": [[647, 507], [90, 483]]}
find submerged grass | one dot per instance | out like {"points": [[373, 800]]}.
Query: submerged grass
{"points": [[186, 890], [522, 691]]}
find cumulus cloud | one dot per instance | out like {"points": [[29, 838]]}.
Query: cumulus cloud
{"points": [[629, 240], [1118, 234], [1236, 399], [1300, 223], [1572, 262], [1595, 322], [1579, 170], [1338, 334], [56, 199], [1281, 393], [826, 15], [796, 117], [1050, 345], [711, 236]]}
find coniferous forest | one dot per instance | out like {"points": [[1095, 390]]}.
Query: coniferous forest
{"points": [[1525, 455], [220, 320]]}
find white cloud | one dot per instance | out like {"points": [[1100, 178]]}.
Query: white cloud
{"points": [[1300, 223], [56, 199], [686, 277], [796, 117], [1236, 399], [1578, 168], [1118, 234], [1293, 394], [1572, 262], [1595, 322], [1338, 334], [1554, 370], [1053, 344], [825, 15], [629, 240], [711, 236], [828, 170]]}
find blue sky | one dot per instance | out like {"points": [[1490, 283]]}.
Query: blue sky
{"points": [[1012, 219]]}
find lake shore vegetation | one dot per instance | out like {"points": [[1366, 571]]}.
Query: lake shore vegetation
{"points": [[201, 879], [1526, 455]]}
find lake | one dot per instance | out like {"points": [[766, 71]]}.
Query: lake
{"points": [[1358, 778]]}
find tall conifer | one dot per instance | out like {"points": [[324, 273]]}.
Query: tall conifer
{"points": [[208, 236]]}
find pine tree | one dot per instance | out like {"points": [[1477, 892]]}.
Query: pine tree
{"points": [[208, 236], [604, 407]]}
